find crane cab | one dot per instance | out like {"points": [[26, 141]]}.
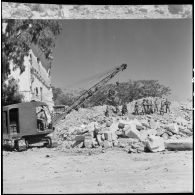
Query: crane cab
{"points": [[26, 123]]}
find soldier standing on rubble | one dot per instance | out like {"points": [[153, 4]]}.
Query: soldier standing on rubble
{"points": [[167, 105], [150, 107], [162, 107], [136, 108], [155, 105], [144, 106], [124, 109], [147, 107]]}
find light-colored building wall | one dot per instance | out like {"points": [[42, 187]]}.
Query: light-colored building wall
{"points": [[35, 82]]}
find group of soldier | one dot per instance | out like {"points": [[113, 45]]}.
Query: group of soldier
{"points": [[147, 106], [150, 107]]}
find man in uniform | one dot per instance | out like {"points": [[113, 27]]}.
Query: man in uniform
{"points": [[155, 105], [124, 109], [162, 107], [147, 107], [151, 107], [144, 106], [41, 119], [167, 105], [136, 108]]}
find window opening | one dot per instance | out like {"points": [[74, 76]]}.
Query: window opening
{"points": [[41, 91], [14, 120], [43, 118]]}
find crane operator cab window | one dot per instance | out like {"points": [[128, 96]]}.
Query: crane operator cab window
{"points": [[43, 118]]}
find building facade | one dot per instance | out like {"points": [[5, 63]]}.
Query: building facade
{"points": [[35, 82]]}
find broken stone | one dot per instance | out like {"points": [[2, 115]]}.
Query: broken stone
{"points": [[143, 134], [79, 138], [135, 147], [145, 124], [181, 144], [165, 136], [169, 133], [108, 123], [155, 144], [88, 143], [154, 124], [121, 125], [139, 127], [180, 120], [185, 131], [94, 143], [91, 126], [132, 132], [173, 127], [151, 132], [115, 143], [159, 131], [107, 144], [114, 127], [119, 132], [129, 149]]}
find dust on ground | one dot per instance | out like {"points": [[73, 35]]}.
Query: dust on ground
{"points": [[43, 170]]}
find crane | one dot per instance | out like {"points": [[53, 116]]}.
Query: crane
{"points": [[90, 92]]}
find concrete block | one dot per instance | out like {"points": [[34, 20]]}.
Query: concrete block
{"points": [[79, 138], [185, 131], [173, 127], [155, 144], [107, 144], [154, 124], [132, 132], [114, 127], [115, 143], [165, 136], [159, 131], [152, 132], [139, 128], [181, 144], [88, 143]]}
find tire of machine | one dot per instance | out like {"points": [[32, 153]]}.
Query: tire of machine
{"points": [[27, 143], [49, 142], [18, 147]]}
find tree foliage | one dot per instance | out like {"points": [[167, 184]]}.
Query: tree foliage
{"points": [[17, 38], [61, 98], [10, 94], [20, 34], [126, 92]]}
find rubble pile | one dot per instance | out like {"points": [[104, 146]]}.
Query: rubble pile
{"points": [[46, 11], [90, 128]]}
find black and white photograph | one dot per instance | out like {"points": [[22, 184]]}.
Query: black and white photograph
{"points": [[96, 98]]}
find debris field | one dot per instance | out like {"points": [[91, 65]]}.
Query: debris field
{"points": [[90, 128]]}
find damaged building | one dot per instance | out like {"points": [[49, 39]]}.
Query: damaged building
{"points": [[35, 82]]}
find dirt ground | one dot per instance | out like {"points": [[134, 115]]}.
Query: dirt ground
{"points": [[43, 170]]}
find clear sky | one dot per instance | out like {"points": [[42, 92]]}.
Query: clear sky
{"points": [[158, 49]]}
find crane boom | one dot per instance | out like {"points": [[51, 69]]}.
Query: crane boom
{"points": [[91, 91]]}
